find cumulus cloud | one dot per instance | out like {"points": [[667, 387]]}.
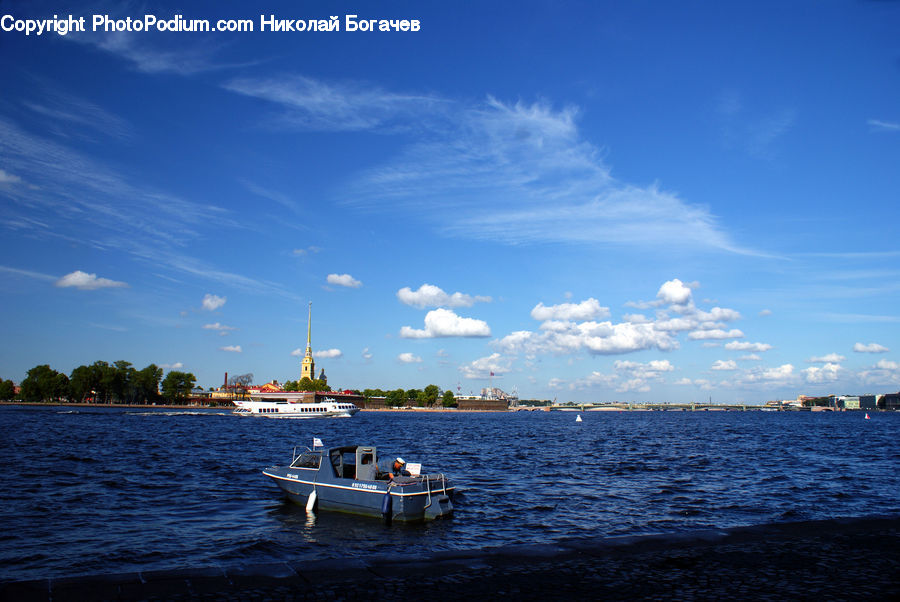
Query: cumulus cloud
{"points": [[870, 348], [409, 358], [367, 355], [483, 367], [445, 323], [601, 338], [716, 333], [627, 377], [222, 328], [429, 295], [884, 373], [586, 310], [87, 282], [175, 366], [741, 346], [828, 373], [328, 353], [345, 280], [231, 348], [213, 302], [724, 365], [831, 358], [674, 292]]}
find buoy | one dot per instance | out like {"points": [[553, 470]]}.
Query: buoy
{"points": [[867, 415], [578, 419], [311, 502]]}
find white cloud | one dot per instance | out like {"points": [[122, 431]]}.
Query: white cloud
{"points": [[175, 366], [367, 355], [328, 353], [724, 365], [310, 104], [409, 358], [741, 346], [8, 178], [517, 173], [213, 302], [828, 373], [602, 338], [715, 334], [219, 327], [343, 280], [231, 348], [482, 367], [429, 295], [831, 358], [586, 310], [765, 312], [884, 373], [298, 352], [883, 126], [628, 377], [86, 282], [780, 373], [870, 348], [674, 292], [445, 323]]}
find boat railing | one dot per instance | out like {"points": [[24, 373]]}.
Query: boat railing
{"points": [[428, 486]]}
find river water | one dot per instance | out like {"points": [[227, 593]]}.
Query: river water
{"points": [[110, 490]]}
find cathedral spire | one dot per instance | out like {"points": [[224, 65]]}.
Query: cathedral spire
{"points": [[308, 366]]}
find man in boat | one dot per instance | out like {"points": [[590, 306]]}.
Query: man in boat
{"points": [[397, 469]]}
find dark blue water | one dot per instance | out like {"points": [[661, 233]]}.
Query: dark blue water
{"points": [[110, 490]]}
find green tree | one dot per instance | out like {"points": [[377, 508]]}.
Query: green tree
{"points": [[7, 390], [370, 393], [396, 398], [121, 388], [431, 395], [102, 375], [81, 383], [43, 383], [146, 384], [448, 401], [177, 386], [308, 384]]}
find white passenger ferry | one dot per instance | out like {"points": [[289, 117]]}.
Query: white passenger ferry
{"points": [[280, 408]]}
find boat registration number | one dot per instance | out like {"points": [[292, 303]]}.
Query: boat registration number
{"points": [[369, 486]]}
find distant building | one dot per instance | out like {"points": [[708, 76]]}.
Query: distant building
{"points": [[889, 401]]}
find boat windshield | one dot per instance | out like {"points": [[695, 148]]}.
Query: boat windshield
{"points": [[307, 460]]}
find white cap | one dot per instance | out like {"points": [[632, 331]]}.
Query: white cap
{"points": [[400, 460]]}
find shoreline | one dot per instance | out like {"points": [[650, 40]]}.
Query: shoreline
{"points": [[827, 559]]}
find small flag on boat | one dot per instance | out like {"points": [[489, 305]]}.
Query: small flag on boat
{"points": [[317, 442]]}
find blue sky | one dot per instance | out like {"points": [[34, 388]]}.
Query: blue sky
{"points": [[595, 201]]}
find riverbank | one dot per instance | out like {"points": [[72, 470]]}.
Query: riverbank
{"points": [[838, 559]]}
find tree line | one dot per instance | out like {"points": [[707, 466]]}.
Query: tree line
{"points": [[424, 398], [101, 382], [120, 382]]}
